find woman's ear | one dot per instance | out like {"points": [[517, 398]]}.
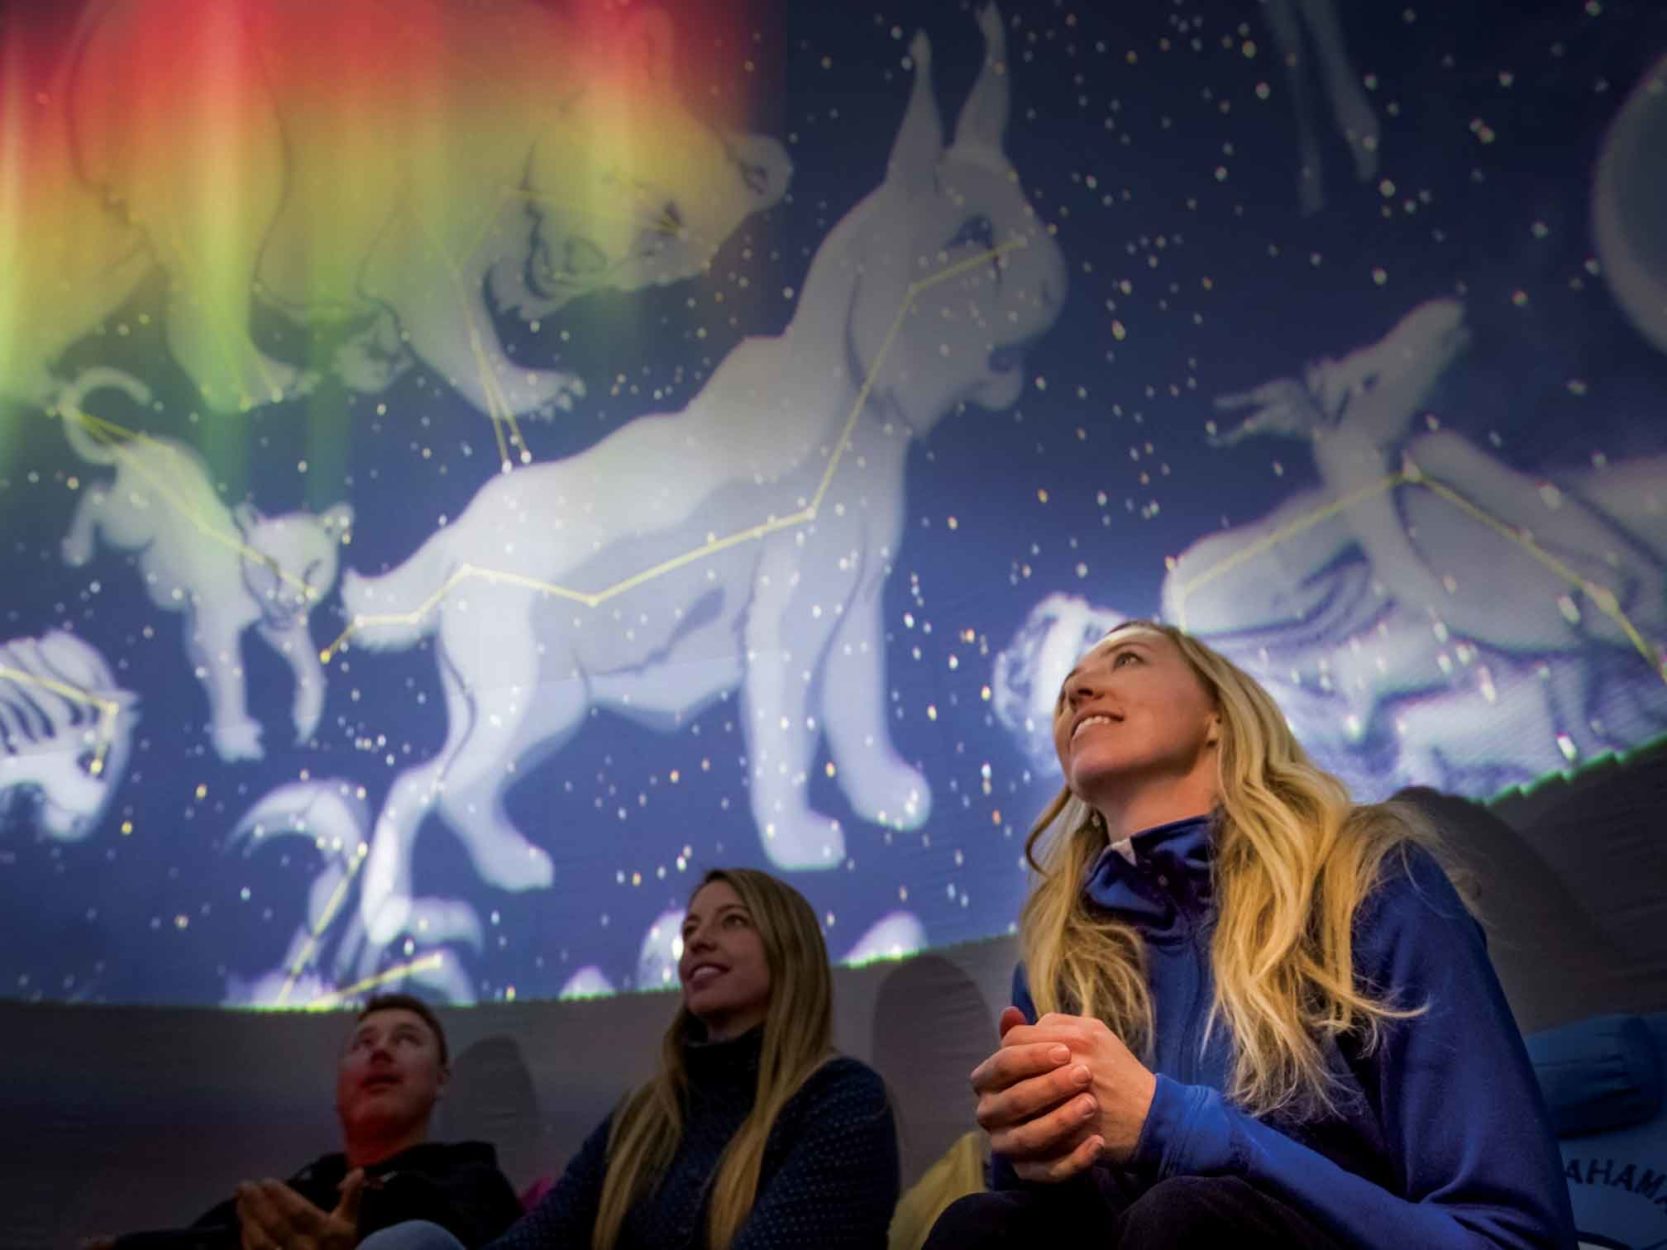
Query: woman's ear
{"points": [[1212, 734]]}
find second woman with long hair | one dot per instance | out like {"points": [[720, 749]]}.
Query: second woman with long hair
{"points": [[753, 1134]]}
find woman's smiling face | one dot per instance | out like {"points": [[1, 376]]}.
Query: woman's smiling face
{"points": [[724, 969], [1134, 712]]}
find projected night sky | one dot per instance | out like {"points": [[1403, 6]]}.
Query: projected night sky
{"points": [[459, 482]]}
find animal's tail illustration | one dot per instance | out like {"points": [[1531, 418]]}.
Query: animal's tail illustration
{"points": [[331, 814], [90, 437], [396, 610]]}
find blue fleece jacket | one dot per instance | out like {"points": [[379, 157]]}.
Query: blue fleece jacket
{"points": [[1441, 1141]]}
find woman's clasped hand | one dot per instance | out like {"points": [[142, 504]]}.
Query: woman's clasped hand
{"points": [[1061, 1095]]}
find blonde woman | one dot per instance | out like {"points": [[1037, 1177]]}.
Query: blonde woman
{"points": [[752, 1135], [1249, 1012]]}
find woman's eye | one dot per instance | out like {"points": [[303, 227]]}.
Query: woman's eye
{"points": [[1124, 655]]}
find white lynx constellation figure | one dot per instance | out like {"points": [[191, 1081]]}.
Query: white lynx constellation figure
{"points": [[742, 542], [1419, 548], [226, 569], [65, 732]]}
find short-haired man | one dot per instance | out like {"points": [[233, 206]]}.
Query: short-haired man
{"points": [[390, 1074]]}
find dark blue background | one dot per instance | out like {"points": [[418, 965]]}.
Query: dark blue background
{"points": [[101, 919]]}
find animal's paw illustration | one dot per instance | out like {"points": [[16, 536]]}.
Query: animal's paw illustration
{"points": [[77, 549], [508, 861], [885, 790], [237, 740], [803, 839]]}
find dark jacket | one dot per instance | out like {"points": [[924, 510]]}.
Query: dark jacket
{"points": [[829, 1178], [456, 1185]]}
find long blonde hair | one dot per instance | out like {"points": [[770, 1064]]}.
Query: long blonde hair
{"points": [[798, 1039], [1292, 860]]}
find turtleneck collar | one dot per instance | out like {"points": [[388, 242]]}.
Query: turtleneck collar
{"points": [[727, 1065], [1158, 880]]}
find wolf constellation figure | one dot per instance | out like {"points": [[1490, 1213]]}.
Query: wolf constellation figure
{"points": [[743, 542]]}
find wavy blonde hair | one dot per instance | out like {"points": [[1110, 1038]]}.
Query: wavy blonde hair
{"points": [[798, 1039], [1293, 858]]}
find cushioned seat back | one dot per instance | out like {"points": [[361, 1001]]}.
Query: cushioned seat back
{"points": [[959, 1172], [1602, 1080]]}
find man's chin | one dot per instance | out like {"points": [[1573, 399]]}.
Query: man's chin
{"points": [[382, 1114]]}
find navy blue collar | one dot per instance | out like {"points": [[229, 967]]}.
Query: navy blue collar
{"points": [[1166, 887], [726, 1066]]}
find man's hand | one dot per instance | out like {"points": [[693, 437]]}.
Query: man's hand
{"points": [[1061, 1094], [273, 1216]]}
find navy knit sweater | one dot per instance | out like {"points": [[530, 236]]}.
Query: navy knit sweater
{"points": [[829, 1178], [1441, 1141]]}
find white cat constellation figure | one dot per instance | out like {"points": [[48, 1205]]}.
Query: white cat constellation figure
{"points": [[742, 542], [226, 569]]}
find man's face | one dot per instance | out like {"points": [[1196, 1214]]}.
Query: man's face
{"points": [[390, 1073]]}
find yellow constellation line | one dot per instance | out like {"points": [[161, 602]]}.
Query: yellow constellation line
{"points": [[1412, 475], [1289, 530], [331, 907], [499, 410], [1600, 595], [108, 709], [212, 527], [422, 963], [110, 434], [223, 340], [750, 533]]}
